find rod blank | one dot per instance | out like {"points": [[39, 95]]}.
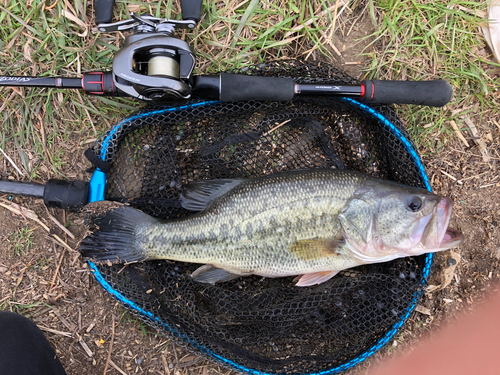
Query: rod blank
{"points": [[26, 189]]}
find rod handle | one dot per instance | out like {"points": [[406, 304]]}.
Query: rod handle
{"points": [[55, 193], [236, 87], [431, 93], [65, 194], [25, 189], [239, 87]]}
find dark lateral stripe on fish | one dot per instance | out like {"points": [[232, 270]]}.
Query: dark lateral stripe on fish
{"points": [[115, 239]]}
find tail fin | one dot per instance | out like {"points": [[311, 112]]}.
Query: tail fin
{"points": [[113, 233]]}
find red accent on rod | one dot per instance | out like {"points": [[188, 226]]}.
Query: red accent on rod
{"points": [[101, 83], [373, 90], [362, 91]]}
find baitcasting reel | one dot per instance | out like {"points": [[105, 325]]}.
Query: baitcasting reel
{"points": [[152, 65]]}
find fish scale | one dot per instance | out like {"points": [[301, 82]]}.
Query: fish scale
{"points": [[251, 228]]}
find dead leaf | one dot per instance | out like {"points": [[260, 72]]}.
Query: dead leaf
{"points": [[27, 50], [451, 262], [423, 310], [459, 133], [477, 138], [477, 12], [133, 7], [491, 30], [79, 22]]}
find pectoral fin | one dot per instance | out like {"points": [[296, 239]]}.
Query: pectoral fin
{"points": [[208, 274], [315, 278], [317, 248]]}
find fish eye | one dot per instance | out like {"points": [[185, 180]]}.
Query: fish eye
{"points": [[414, 203]]}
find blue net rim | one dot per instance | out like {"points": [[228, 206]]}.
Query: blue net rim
{"points": [[97, 191]]}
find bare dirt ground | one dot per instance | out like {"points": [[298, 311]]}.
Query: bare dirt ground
{"points": [[93, 334]]}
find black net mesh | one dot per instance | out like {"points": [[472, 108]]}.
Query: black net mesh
{"points": [[256, 324]]}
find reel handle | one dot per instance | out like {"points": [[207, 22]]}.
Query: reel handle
{"points": [[103, 11], [191, 10]]}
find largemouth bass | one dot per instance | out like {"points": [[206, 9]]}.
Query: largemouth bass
{"points": [[313, 223]]}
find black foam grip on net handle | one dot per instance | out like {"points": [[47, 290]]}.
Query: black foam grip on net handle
{"points": [[65, 194], [432, 93], [191, 9], [103, 11], [238, 87]]}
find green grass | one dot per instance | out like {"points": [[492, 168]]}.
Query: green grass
{"points": [[42, 127], [256, 31], [20, 242], [146, 330], [41, 263], [421, 40], [21, 308]]}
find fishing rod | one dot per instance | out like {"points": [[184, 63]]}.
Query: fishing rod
{"points": [[237, 87], [156, 67]]}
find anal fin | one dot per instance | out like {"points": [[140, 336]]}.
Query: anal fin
{"points": [[315, 278], [208, 274]]}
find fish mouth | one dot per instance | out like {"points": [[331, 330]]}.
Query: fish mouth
{"points": [[452, 236], [437, 235], [444, 237], [443, 217]]}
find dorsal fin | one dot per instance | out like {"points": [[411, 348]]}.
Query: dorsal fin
{"points": [[197, 196]]}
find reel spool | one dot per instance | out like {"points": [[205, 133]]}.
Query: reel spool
{"points": [[163, 63], [156, 62]]}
